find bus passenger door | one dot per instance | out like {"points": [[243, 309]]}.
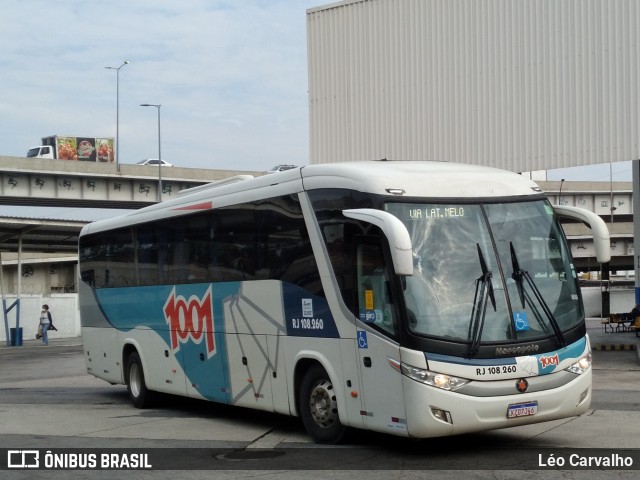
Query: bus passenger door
{"points": [[383, 398]]}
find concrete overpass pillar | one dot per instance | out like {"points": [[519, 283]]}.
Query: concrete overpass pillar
{"points": [[606, 287], [636, 226]]}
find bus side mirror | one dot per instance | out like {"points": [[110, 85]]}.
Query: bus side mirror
{"points": [[396, 233], [599, 230]]}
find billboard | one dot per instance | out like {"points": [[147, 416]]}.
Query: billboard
{"points": [[84, 149]]}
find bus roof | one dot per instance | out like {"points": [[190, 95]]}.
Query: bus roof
{"points": [[419, 179], [426, 179]]}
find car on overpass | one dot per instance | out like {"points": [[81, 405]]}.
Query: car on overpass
{"points": [[281, 168], [154, 162]]}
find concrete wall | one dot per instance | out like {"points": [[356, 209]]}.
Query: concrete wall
{"points": [[63, 308], [621, 300], [40, 278]]}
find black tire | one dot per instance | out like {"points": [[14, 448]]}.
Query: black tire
{"points": [[319, 408], [139, 395]]}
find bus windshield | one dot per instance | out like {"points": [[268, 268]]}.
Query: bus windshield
{"points": [[488, 273]]}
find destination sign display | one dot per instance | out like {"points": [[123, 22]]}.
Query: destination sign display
{"points": [[428, 212]]}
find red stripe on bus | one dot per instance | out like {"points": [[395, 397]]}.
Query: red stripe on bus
{"points": [[197, 206]]}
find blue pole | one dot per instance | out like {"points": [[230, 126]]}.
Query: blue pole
{"points": [[6, 322], [16, 304]]}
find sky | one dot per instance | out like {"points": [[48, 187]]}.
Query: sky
{"points": [[603, 172], [230, 76]]}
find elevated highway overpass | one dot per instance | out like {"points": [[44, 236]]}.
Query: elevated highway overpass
{"points": [[46, 182], [613, 202]]}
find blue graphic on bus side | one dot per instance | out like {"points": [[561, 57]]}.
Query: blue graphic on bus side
{"points": [[307, 315], [190, 319]]}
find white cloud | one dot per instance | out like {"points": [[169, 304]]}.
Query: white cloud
{"points": [[231, 77]]}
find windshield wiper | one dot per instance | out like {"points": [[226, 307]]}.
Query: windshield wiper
{"points": [[518, 275], [484, 289]]}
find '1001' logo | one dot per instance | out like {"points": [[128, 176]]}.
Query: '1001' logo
{"points": [[190, 319]]}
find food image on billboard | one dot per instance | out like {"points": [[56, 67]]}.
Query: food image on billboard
{"points": [[86, 149], [105, 150], [67, 148]]}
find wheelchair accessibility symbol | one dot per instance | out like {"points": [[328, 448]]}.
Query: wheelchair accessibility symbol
{"points": [[521, 321], [362, 339]]}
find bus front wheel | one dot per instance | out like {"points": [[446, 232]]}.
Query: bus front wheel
{"points": [[139, 395], [319, 408]]}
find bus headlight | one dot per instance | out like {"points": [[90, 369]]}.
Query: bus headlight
{"points": [[438, 380], [581, 365]]}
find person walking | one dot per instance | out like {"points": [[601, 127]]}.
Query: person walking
{"points": [[45, 322]]}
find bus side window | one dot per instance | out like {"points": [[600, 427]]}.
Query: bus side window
{"points": [[374, 300]]}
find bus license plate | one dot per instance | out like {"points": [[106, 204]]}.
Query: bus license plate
{"points": [[522, 409]]}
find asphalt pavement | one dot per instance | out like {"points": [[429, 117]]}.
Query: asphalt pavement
{"points": [[84, 412]]}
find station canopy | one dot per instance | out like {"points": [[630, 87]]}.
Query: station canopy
{"points": [[38, 229], [27, 234]]}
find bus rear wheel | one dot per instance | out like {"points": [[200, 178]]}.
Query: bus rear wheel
{"points": [[139, 395], [319, 408]]}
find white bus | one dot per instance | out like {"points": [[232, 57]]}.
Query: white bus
{"points": [[420, 299]]}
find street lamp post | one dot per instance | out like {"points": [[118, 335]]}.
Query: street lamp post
{"points": [[159, 150], [117, 69]]}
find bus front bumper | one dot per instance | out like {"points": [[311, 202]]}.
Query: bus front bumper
{"points": [[433, 412]]}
